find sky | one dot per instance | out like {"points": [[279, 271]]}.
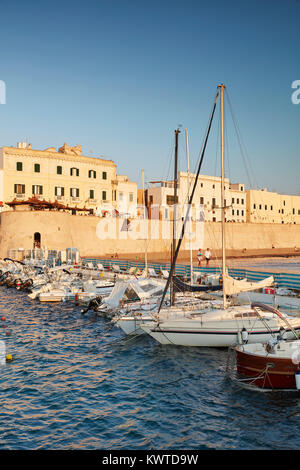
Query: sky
{"points": [[118, 77]]}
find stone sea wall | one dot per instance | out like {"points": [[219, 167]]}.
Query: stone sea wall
{"points": [[99, 237]]}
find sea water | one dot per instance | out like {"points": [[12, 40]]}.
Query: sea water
{"points": [[76, 382]]}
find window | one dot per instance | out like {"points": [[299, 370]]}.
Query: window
{"points": [[59, 170], [298, 211], [232, 200], [242, 212], [19, 188], [59, 191], [114, 195], [284, 203], [130, 197], [19, 166], [103, 195], [37, 168], [214, 202], [266, 207], [74, 192], [201, 184], [104, 175], [242, 201], [254, 206], [271, 208], [232, 212], [293, 211], [202, 200], [213, 186], [238, 212], [36, 189], [237, 201], [170, 200], [74, 171], [121, 198], [259, 206], [166, 214], [92, 174], [92, 194]]}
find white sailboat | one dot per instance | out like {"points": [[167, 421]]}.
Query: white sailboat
{"points": [[222, 327]]}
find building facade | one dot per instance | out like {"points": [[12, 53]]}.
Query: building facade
{"points": [[268, 207], [207, 197], [65, 176]]}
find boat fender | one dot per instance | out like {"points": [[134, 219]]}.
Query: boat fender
{"points": [[282, 334], [244, 335], [239, 337], [297, 378]]}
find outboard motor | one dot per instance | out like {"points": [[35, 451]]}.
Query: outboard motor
{"points": [[93, 305]]}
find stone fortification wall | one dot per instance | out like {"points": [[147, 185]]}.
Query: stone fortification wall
{"points": [[62, 230]]}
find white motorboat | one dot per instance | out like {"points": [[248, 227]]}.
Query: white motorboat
{"points": [[132, 294]]}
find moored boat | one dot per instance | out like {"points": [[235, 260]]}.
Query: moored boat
{"points": [[274, 365]]}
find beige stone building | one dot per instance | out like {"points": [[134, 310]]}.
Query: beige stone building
{"points": [[160, 197], [65, 176], [268, 207]]}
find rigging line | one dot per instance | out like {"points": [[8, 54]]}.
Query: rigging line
{"points": [[227, 148], [217, 147], [190, 201], [242, 146]]}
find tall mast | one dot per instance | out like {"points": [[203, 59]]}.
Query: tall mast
{"points": [[177, 131], [222, 87], [190, 218], [146, 239]]}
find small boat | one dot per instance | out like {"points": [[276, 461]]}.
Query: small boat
{"points": [[181, 286], [274, 365]]}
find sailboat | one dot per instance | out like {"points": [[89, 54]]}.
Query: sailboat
{"points": [[228, 325]]}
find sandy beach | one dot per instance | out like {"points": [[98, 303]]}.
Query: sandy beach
{"points": [[257, 258]]}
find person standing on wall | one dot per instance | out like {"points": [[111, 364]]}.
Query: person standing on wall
{"points": [[199, 256], [207, 255]]}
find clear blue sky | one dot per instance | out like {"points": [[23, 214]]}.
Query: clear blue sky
{"points": [[118, 77]]}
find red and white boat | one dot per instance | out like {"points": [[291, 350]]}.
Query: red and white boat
{"points": [[273, 365]]}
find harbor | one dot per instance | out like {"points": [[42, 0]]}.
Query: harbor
{"points": [[77, 381], [149, 232]]}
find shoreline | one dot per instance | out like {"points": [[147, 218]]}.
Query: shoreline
{"points": [[235, 258]]}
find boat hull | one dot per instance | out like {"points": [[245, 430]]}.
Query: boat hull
{"points": [[267, 372], [206, 338]]}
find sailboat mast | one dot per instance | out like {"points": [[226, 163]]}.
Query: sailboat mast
{"points": [[146, 239], [222, 87], [190, 219], [177, 131]]}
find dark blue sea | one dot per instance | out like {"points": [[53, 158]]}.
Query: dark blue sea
{"points": [[76, 382]]}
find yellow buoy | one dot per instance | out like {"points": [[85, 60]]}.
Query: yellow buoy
{"points": [[9, 358]]}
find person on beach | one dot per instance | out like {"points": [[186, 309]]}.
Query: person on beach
{"points": [[199, 256], [207, 255]]}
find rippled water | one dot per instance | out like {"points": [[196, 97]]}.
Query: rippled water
{"points": [[77, 383]]}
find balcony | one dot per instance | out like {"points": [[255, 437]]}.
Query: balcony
{"points": [[75, 199], [20, 196]]}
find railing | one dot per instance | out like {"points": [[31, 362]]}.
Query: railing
{"points": [[288, 280]]}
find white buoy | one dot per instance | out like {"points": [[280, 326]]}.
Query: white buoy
{"points": [[244, 335], [239, 337], [297, 377]]}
